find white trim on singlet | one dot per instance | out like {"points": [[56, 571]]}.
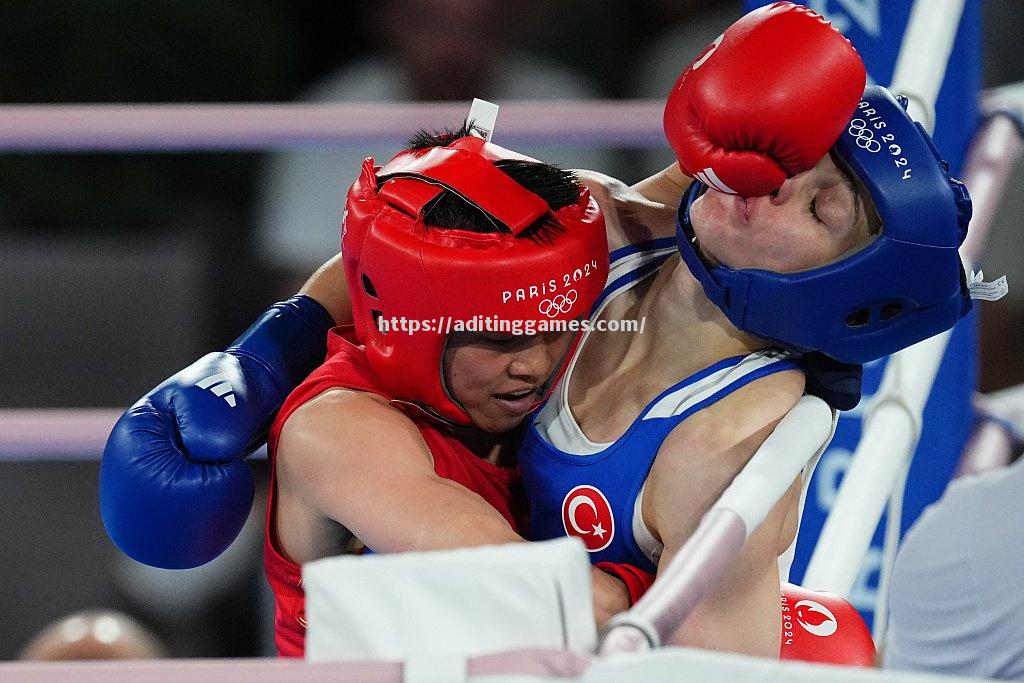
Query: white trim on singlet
{"points": [[645, 540], [555, 422], [557, 426], [685, 398]]}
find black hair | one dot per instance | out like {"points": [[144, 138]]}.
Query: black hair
{"points": [[557, 187]]}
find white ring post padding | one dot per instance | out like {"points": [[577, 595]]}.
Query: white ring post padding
{"points": [[723, 530], [891, 428], [890, 544], [924, 54]]}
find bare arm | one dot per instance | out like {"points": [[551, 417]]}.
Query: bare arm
{"points": [[695, 464], [330, 288], [363, 464], [378, 481]]}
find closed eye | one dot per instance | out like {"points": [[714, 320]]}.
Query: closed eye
{"points": [[814, 210]]}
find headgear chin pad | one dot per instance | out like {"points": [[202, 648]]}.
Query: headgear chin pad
{"points": [[398, 267], [906, 285]]}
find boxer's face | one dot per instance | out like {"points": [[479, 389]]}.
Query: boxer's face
{"points": [[815, 218], [498, 378]]}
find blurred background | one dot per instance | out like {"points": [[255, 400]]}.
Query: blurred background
{"points": [[119, 269]]}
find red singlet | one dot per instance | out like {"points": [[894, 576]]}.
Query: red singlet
{"points": [[346, 367]]}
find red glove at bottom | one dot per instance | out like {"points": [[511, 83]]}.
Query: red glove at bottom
{"points": [[823, 627]]}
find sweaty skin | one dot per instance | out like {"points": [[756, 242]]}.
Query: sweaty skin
{"points": [[687, 333]]}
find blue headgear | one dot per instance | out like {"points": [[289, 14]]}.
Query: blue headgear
{"points": [[905, 286]]}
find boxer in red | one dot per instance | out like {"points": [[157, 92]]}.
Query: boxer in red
{"points": [[405, 441]]}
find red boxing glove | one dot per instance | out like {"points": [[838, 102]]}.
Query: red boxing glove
{"points": [[637, 580], [765, 101], [823, 627]]}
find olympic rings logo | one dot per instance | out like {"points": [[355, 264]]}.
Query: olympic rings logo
{"points": [[559, 304], [865, 136]]}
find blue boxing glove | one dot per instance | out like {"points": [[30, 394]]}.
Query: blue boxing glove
{"points": [[174, 490]]}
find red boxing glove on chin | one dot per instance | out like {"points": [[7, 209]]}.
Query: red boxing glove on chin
{"points": [[823, 627], [765, 101]]}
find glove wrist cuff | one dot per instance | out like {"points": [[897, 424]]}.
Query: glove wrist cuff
{"points": [[289, 340]]}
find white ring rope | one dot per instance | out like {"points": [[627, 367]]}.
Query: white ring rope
{"points": [[253, 127], [59, 128]]}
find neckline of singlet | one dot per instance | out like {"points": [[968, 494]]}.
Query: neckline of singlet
{"points": [[651, 256], [555, 423]]}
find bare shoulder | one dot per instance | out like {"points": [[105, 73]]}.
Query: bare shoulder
{"points": [[347, 429], [629, 216], [744, 414], [703, 453]]}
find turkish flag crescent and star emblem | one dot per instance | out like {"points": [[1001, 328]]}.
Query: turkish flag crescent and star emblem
{"points": [[587, 515]]}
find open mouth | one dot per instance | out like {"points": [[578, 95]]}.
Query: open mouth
{"points": [[516, 395], [519, 402]]}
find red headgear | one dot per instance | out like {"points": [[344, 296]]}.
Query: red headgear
{"points": [[397, 267]]}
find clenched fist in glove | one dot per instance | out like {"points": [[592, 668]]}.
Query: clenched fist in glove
{"points": [[823, 627], [765, 101], [174, 488]]}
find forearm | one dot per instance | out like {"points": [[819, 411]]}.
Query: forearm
{"points": [[441, 515], [463, 520], [741, 614], [329, 287], [610, 596]]}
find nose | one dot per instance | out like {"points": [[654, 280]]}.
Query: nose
{"points": [[784, 193], [799, 188]]}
